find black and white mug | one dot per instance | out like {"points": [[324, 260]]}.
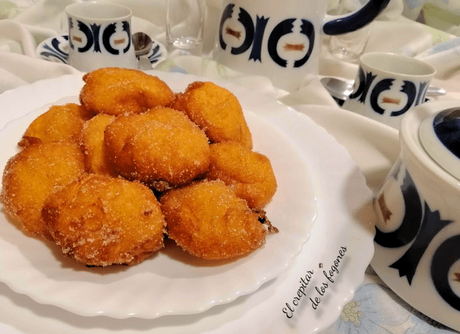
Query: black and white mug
{"points": [[388, 85], [100, 36], [282, 39]]}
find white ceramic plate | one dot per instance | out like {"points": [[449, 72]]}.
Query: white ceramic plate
{"points": [[172, 282], [341, 192]]}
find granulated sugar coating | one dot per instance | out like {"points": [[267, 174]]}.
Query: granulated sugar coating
{"points": [[92, 142], [249, 173], [117, 91], [100, 221], [57, 124], [34, 173], [89, 176], [161, 148], [209, 221], [217, 111]]}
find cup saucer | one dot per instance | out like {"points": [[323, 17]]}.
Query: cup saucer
{"points": [[56, 49]]}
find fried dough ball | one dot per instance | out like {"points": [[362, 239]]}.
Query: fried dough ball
{"points": [[100, 220], [59, 123], [34, 173], [178, 102], [92, 141], [161, 148], [216, 111], [249, 173], [116, 91], [209, 221]]}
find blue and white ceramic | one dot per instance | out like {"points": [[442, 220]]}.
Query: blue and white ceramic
{"points": [[388, 85], [417, 242], [56, 49], [440, 136], [100, 36], [282, 39]]}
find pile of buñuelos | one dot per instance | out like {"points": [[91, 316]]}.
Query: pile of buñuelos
{"points": [[110, 178]]}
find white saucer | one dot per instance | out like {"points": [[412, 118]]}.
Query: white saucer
{"points": [[56, 49]]}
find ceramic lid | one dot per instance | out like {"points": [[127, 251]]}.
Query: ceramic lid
{"points": [[440, 137]]}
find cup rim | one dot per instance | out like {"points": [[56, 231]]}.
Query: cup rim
{"points": [[73, 10], [428, 70]]}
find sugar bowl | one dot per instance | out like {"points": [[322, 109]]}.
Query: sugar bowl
{"points": [[417, 242]]}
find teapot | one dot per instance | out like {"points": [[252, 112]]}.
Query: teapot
{"points": [[417, 240]]}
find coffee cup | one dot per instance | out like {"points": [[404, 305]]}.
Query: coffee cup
{"points": [[282, 39], [100, 36], [388, 85]]}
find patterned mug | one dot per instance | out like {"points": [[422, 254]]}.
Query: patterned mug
{"points": [[388, 85], [281, 39], [100, 36]]}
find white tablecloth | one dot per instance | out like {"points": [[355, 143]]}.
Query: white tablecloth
{"points": [[375, 308]]}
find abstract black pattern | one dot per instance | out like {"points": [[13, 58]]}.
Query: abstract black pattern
{"points": [[99, 38]]}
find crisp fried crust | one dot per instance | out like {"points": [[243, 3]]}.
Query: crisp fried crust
{"points": [[217, 111], [249, 173], [33, 174], [89, 175], [209, 221], [92, 142], [100, 221], [59, 123], [161, 148], [118, 91]]}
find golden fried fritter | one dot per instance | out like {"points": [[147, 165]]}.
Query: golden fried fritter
{"points": [[177, 103], [59, 123], [249, 173], [100, 220], [161, 148], [34, 173], [116, 91], [209, 221], [216, 111], [92, 141]]}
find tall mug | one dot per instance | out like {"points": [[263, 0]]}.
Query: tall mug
{"points": [[100, 36], [185, 25], [282, 39]]}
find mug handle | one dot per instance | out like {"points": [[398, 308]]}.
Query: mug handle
{"points": [[337, 25]]}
